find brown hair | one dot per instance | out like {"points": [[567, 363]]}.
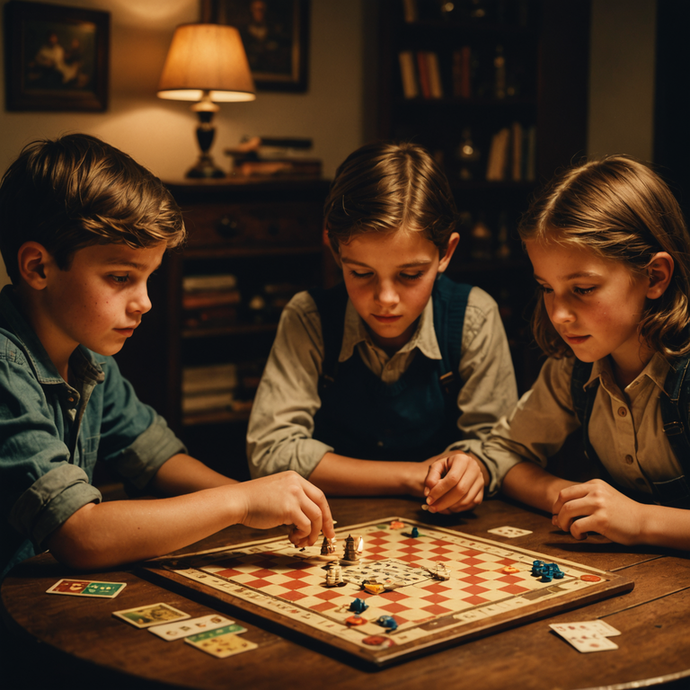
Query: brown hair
{"points": [[384, 186], [76, 191], [622, 211]]}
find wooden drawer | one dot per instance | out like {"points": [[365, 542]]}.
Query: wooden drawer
{"points": [[253, 225]]}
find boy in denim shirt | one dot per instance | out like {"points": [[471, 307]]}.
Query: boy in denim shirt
{"points": [[82, 228]]}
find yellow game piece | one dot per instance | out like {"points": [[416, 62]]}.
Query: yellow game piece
{"points": [[510, 569]]}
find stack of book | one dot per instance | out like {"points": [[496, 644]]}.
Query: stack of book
{"points": [[209, 388], [209, 301], [270, 157]]}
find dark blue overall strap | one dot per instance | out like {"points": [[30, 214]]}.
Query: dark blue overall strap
{"points": [[674, 414], [450, 304], [331, 304], [450, 300], [583, 402]]}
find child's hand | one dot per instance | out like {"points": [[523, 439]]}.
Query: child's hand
{"points": [[596, 506], [287, 498], [454, 483]]}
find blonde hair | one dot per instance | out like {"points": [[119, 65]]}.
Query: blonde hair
{"points": [[385, 186], [76, 191], [622, 211]]}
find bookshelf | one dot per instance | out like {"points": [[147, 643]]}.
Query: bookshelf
{"points": [[496, 90], [199, 353]]}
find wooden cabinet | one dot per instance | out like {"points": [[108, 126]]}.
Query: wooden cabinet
{"points": [[489, 74], [199, 353]]}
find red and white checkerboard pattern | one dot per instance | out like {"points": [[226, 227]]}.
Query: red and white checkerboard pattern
{"points": [[274, 569]]}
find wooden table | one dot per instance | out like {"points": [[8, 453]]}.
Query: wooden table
{"points": [[653, 618]]}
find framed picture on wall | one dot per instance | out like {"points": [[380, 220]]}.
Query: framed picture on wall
{"points": [[56, 57], [275, 34]]}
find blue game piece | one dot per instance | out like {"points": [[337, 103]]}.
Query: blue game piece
{"points": [[414, 533], [387, 622], [358, 605]]}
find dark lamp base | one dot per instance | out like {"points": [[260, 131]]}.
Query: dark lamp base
{"points": [[205, 168]]}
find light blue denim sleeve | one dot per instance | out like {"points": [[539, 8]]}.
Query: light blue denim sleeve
{"points": [[51, 500], [134, 440]]}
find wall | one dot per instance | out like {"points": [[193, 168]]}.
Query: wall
{"points": [[621, 96], [160, 134]]}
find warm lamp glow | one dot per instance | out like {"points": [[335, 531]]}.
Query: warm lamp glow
{"points": [[206, 63], [206, 57]]}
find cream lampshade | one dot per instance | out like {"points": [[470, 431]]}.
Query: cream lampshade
{"points": [[206, 63]]}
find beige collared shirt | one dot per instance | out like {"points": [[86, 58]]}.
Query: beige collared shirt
{"points": [[625, 429], [282, 420]]}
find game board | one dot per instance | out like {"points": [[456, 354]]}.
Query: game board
{"points": [[491, 587]]}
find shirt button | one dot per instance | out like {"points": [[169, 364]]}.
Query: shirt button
{"points": [[70, 399], [622, 412], [629, 459]]}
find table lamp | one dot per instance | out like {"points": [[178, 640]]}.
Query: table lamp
{"points": [[206, 63]]}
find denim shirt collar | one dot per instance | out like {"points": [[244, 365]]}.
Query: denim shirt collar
{"points": [[83, 363]]}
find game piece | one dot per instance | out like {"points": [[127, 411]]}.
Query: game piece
{"points": [[286, 588], [87, 588], [396, 524], [425, 506], [153, 614], [358, 605], [414, 533], [373, 587], [440, 572], [590, 578], [509, 569], [351, 555], [378, 641], [387, 622], [328, 547], [334, 576], [355, 620]]}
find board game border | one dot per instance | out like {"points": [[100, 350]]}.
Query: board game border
{"points": [[610, 585]]}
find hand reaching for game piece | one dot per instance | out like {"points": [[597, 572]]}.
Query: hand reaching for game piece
{"points": [[287, 498], [596, 506], [454, 483]]}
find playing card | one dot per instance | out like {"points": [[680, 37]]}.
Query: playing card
{"points": [[597, 627], [591, 643], [191, 626], [222, 642], [509, 532], [87, 588], [153, 614]]}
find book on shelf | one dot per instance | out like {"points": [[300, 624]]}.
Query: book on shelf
{"points": [[462, 72], [410, 13], [210, 298], [206, 283], [211, 377], [210, 317], [308, 167], [498, 155], [512, 154], [435, 84], [423, 73], [207, 402], [517, 173], [408, 74], [273, 156]]}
